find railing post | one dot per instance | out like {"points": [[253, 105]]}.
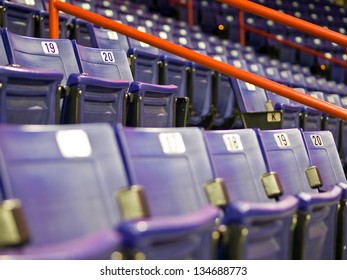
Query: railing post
{"points": [[242, 28], [53, 20], [190, 13]]}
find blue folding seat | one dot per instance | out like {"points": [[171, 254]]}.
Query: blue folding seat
{"points": [[61, 179], [27, 96], [223, 97], [177, 159], [286, 154], [81, 31], [329, 122], [19, 17], [259, 226], [256, 109], [199, 92], [106, 39], [144, 59], [96, 99], [156, 104], [291, 110], [324, 154]]}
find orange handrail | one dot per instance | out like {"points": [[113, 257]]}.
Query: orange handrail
{"points": [[294, 45], [188, 54], [288, 20]]}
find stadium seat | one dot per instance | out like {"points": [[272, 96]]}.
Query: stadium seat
{"points": [[223, 98], [63, 177], [106, 39], [322, 149], [18, 17], [257, 111], [199, 92], [286, 153], [28, 96], [80, 104], [329, 122], [144, 59], [259, 227], [172, 169], [152, 105]]}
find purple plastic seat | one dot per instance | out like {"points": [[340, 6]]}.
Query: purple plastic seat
{"points": [[286, 154], [172, 169], [64, 178], [322, 149], [86, 98], [237, 158], [27, 96]]}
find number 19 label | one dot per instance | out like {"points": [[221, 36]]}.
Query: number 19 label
{"points": [[282, 140], [50, 47]]}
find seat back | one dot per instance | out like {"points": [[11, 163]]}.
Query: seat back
{"points": [[287, 155], [65, 177], [42, 54], [172, 168], [144, 59], [237, 158], [105, 63], [223, 96], [249, 97], [107, 39], [324, 154]]}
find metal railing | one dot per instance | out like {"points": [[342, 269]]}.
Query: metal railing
{"points": [[244, 27], [229, 70]]}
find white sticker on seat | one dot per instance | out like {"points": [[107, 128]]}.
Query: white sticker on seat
{"points": [[172, 143], [49, 47], [73, 143], [233, 142]]}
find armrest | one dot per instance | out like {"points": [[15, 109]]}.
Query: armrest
{"points": [[288, 107], [141, 88], [343, 186], [239, 212], [30, 74], [77, 80], [99, 245], [309, 200], [169, 227]]}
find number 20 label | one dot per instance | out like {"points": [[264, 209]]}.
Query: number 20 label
{"points": [[317, 140], [282, 140], [107, 56], [50, 47]]}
